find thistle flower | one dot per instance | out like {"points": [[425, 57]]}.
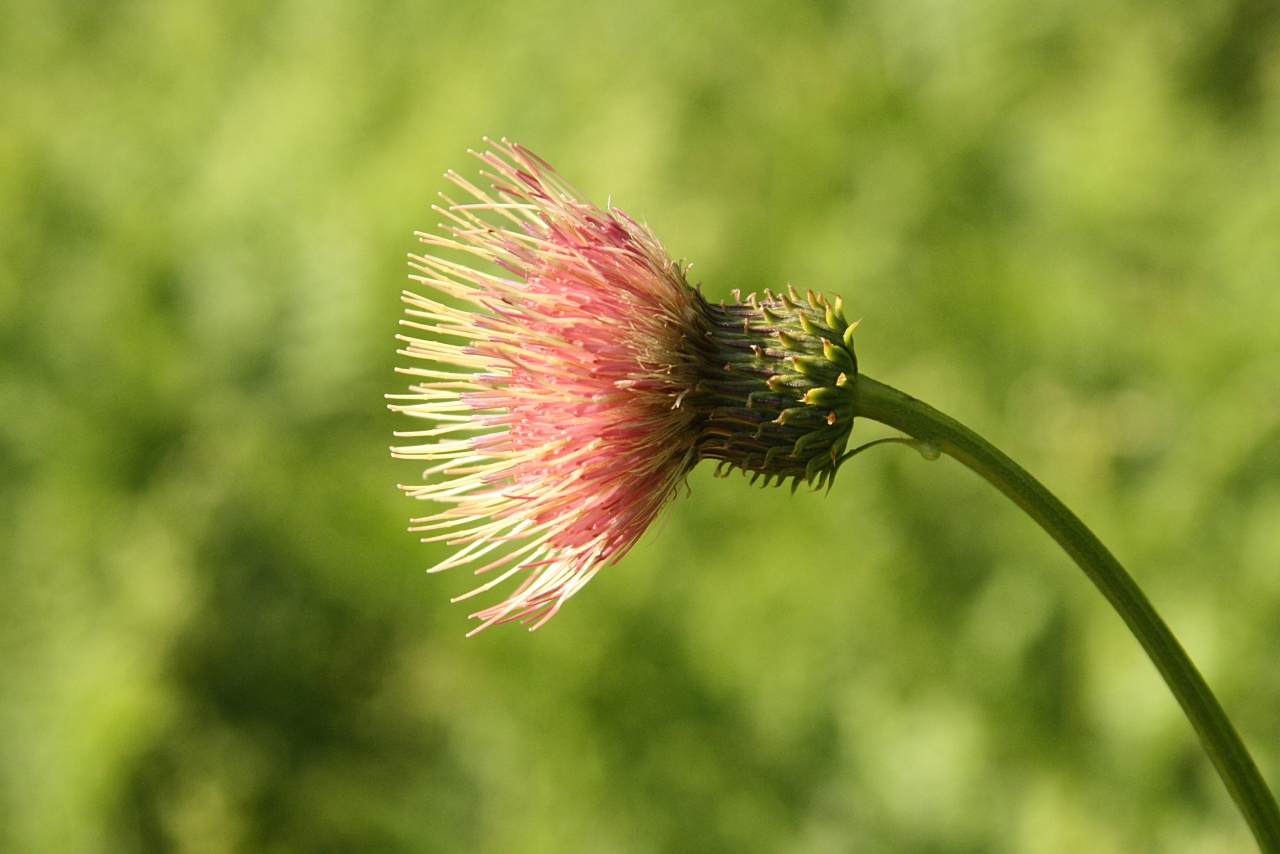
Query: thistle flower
{"points": [[571, 397], [576, 384]]}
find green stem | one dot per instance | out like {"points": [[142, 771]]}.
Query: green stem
{"points": [[887, 405]]}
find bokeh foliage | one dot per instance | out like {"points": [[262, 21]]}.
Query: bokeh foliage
{"points": [[1060, 220]]}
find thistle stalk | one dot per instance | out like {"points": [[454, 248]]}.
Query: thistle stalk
{"points": [[1235, 766]]}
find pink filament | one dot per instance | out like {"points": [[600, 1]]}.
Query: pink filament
{"points": [[594, 441]]}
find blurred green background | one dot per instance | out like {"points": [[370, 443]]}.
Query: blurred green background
{"points": [[1060, 221]]}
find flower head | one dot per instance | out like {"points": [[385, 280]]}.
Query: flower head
{"points": [[578, 378]]}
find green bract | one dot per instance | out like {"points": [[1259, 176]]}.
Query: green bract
{"points": [[776, 395]]}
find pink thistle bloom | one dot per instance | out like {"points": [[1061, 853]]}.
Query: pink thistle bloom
{"points": [[558, 431], [574, 386]]}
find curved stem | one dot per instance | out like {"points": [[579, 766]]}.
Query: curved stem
{"points": [[887, 405]]}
